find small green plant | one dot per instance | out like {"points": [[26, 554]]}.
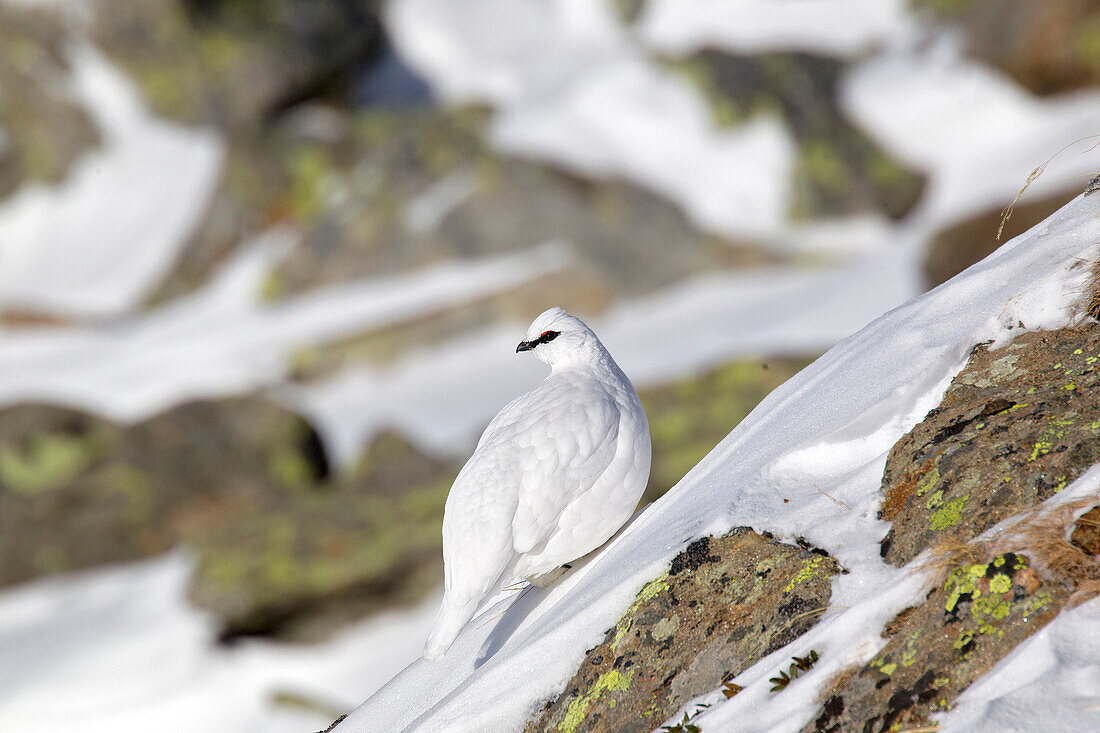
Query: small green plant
{"points": [[729, 689], [798, 666]]}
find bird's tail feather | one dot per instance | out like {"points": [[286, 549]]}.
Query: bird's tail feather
{"points": [[453, 616]]}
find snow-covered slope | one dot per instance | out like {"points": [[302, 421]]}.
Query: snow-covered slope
{"points": [[826, 430]]}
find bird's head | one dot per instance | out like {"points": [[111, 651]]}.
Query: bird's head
{"points": [[560, 339]]}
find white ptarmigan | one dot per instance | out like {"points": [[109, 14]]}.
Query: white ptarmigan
{"points": [[558, 471]]}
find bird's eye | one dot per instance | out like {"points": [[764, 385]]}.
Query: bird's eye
{"points": [[548, 336]]}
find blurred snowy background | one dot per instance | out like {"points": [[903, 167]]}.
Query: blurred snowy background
{"points": [[263, 265]]}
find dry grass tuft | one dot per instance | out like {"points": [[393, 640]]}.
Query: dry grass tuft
{"points": [[1043, 537], [1084, 593], [950, 553], [1092, 299], [893, 626], [837, 681], [1034, 176]]}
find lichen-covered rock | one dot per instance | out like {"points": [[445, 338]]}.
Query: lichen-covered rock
{"points": [[409, 188], [723, 604], [279, 537], [966, 625], [42, 128], [839, 170], [1015, 426], [1048, 46]]}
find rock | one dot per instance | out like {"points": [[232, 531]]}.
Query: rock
{"points": [[966, 625], [42, 129], [1015, 427], [382, 189], [960, 246], [628, 10], [237, 63], [724, 604], [285, 546], [1048, 46], [1086, 532], [839, 171]]}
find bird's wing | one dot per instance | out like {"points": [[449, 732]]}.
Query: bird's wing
{"points": [[565, 448], [540, 452]]}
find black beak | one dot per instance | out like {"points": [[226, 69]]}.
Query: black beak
{"points": [[526, 346]]}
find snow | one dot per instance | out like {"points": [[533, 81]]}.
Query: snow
{"points": [[223, 340], [569, 85], [125, 648], [97, 243], [826, 27], [823, 435]]}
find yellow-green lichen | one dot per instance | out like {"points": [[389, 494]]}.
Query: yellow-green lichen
{"points": [[964, 582], [949, 514], [1039, 602], [649, 590], [965, 637], [48, 461], [610, 681], [1042, 447], [1000, 583], [809, 567], [930, 479]]}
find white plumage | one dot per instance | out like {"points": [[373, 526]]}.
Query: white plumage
{"points": [[557, 472]]}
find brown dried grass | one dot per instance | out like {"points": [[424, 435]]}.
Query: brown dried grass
{"points": [[950, 553], [1042, 536], [1092, 291], [837, 681], [1034, 176]]}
